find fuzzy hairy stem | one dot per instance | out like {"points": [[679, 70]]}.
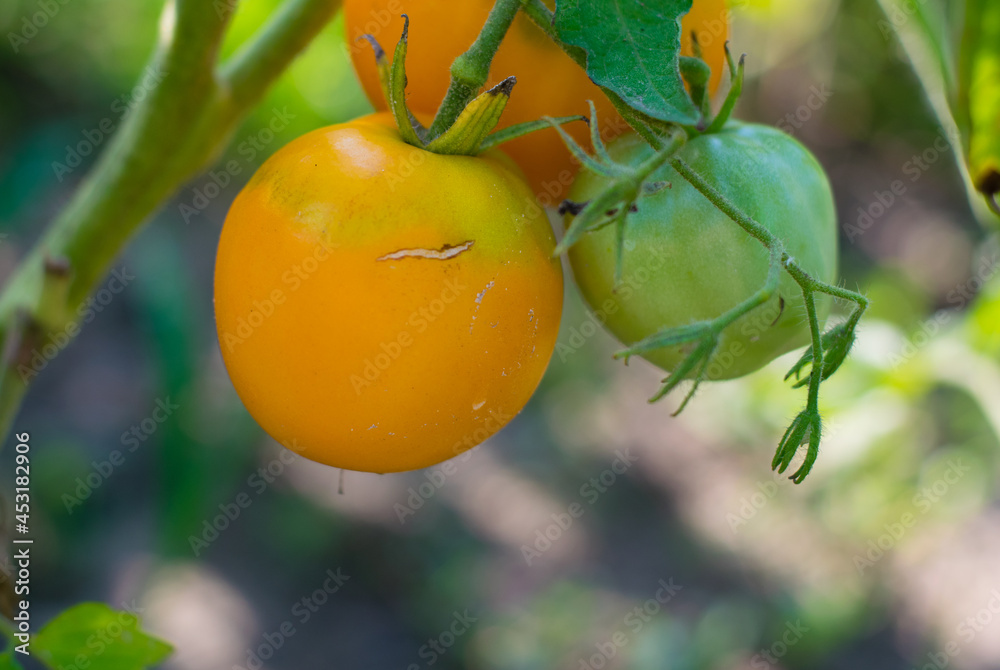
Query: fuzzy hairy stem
{"points": [[809, 286], [816, 376], [471, 70], [806, 281], [655, 133]]}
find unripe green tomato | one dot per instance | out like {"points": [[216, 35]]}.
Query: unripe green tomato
{"points": [[685, 261]]}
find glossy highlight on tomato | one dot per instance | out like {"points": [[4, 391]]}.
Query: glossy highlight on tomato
{"points": [[380, 307], [549, 83], [686, 262]]}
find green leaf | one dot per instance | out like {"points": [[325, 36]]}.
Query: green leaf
{"points": [[978, 105], [633, 49], [925, 30], [100, 637], [8, 662]]}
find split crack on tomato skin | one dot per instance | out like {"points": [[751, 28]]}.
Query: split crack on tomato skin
{"points": [[444, 253]]}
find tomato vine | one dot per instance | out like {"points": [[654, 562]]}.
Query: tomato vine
{"points": [[827, 351], [62, 269]]}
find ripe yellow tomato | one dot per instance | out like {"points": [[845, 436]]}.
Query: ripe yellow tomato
{"points": [[380, 307], [548, 81]]}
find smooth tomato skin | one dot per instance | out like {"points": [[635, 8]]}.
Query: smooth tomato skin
{"points": [[549, 83], [362, 360], [685, 261]]}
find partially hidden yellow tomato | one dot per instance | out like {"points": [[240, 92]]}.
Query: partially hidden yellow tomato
{"points": [[549, 83], [380, 307]]}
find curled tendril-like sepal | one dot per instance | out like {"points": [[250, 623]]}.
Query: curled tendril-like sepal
{"points": [[392, 78], [623, 188], [837, 343], [627, 184], [694, 366], [806, 428], [472, 131], [735, 91]]}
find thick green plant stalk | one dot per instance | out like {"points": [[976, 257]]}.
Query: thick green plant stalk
{"points": [[177, 132]]}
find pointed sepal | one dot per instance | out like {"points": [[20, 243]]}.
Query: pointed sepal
{"points": [[517, 130], [837, 343], [477, 120], [695, 364], [806, 428], [736, 74], [696, 74]]}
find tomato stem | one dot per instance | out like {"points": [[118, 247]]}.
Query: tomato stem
{"points": [[808, 425], [471, 70], [465, 137], [627, 187], [812, 404], [764, 236], [810, 418], [541, 15], [817, 366]]}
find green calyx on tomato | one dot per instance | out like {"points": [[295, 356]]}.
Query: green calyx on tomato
{"points": [[472, 131], [697, 76], [632, 181]]}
